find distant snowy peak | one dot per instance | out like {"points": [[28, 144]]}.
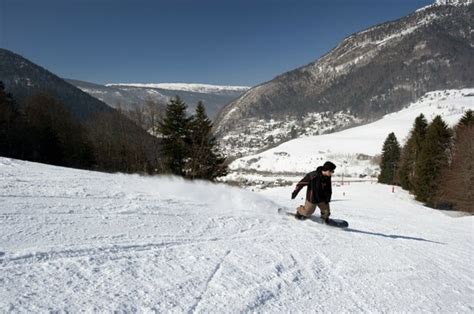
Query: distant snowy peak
{"points": [[456, 3], [197, 88], [453, 2]]}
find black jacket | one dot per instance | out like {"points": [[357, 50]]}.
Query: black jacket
{"points": [[319, 187]]}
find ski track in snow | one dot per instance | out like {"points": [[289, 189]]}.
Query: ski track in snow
{"points": [[74, 240]]}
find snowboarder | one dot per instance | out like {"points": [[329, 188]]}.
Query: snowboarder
{"points": [[318, 193]]}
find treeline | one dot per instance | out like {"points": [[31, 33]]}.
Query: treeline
{"points": [[159, 140], [42, 130], [436, 163]]}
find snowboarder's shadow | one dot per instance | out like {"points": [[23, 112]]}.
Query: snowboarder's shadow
{"points": [[392, 236]]}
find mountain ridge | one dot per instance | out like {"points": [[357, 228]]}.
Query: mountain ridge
{"points": [[129, 95], [190, 87], [369, 74], [24, 78]]}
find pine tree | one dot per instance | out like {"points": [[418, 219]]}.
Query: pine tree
{"points": [[466, 120], [410, 153], [433, 158], [176, 136], [205, 161], [9, 117], [406, 165], [390, 159], [456, 189]]}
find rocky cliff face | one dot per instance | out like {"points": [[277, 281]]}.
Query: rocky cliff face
{"points": [[367, 75]]}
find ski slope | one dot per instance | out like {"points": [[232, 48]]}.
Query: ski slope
{"points": [[73, 240], [345, 147]]}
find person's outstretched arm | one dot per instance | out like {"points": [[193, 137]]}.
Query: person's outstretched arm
{"points": [[304, 182]]}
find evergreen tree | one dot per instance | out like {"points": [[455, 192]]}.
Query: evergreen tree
{"points": [[433, 158], [390, 159], [410, 153], [456, 189], [406, 165], [205, 161], [176, 136], [9, 117], [466, 120]]}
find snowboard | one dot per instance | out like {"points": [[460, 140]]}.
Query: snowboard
{"points": [[339, 223]]}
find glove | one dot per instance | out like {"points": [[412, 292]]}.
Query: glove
{"points": [[293, 195]]}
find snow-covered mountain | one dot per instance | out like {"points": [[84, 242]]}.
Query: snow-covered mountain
{"points": [[447, 3], [188, 87], [369, 74], [127, 95], [352, 149], [116, 97], [80, 241], [454, 2]]}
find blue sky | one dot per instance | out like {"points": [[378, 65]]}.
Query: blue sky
{"points": [[226, 42]]}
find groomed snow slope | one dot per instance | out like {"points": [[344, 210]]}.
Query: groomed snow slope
{"points": [[304, 154], [74, 240]]}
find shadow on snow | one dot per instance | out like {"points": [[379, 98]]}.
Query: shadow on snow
{"points": [[391, 236]]}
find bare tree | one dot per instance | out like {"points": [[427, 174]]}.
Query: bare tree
{"points": [[137, 114], [154, 113]]}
